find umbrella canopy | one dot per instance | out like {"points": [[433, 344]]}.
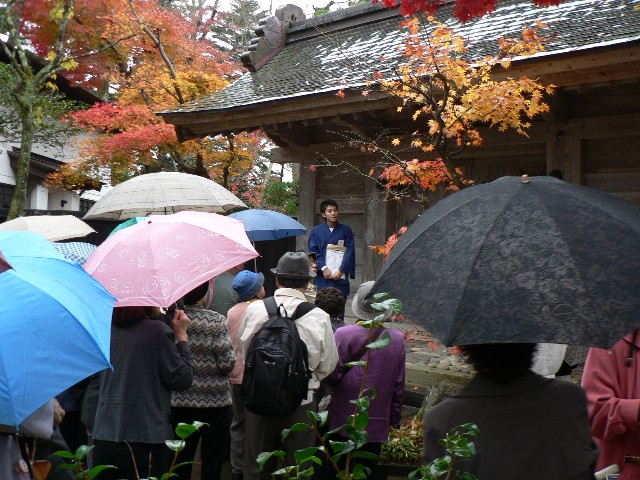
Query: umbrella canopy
{"points": [[508, 262], [51, 227], [157, 261], [77, 252], [163, 193], [127, 223], [268, 224], [55, 328]]}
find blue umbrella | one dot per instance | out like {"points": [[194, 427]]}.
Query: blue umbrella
{"points": [[77, 252], [55, 326], [268, 225]]}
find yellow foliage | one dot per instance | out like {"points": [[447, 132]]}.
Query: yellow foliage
{"points": [[455, 97]]}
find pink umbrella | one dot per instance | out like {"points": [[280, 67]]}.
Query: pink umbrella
{"points": [[159, 260]]}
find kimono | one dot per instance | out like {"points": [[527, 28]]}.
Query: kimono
{"points": [[320, 237]]}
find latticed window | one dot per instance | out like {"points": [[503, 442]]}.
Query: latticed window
{"points": [[85, 205], [6, 194]]}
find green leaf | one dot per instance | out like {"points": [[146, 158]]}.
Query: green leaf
{"points": [[390, 304], [360, 471], [63, 454], [368, 324], [95, 471], [341, 447], [379, 297], [362, 403], [185, 430], [175, 445], [199, 425], [306, 473], [357, 363], [381, 342], [265, 456], [305, 455], [297, 427], [362, 420], [179, 465], [320, 417], [360, 438], [83, 450], [364, 454]]}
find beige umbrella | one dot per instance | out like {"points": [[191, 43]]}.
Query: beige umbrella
{"points": [[163, 193], [51, 227]]}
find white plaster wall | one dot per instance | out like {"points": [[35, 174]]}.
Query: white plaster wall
{"points": [[6, 174], [56, 197], [39, 198]]}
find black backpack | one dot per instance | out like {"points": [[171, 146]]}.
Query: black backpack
{"points": [[276, 366]]}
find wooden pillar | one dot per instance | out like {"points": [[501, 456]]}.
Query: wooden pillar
{"points": [[564, 153], [375, 222], [573, 149], [306, 202]]}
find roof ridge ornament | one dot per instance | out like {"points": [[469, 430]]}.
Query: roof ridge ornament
{"points": [[271, 36]]}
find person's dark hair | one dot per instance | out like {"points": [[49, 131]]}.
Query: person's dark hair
{"points": [[502, 362], [327, 203], [125, 316], [556, 173], [288, 282], [331, 300], [195, 295]]}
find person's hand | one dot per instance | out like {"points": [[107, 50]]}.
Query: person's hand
{"points": [[327, 273], [58, 413], [336, 275], [180, 324]]}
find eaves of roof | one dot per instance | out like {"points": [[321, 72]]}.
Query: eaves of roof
{"points": [[343, 49]]}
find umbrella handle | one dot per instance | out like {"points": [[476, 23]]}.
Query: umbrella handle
{"points": [[179, 305]]}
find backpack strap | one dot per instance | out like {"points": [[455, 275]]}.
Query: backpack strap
{"points": [[273, 309], [271, 306]]}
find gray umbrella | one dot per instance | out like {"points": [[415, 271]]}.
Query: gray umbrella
{"points": [[163, 193], [507, 261]]}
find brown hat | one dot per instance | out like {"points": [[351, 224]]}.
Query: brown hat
{"points": [[361, 305], [294, 265]]}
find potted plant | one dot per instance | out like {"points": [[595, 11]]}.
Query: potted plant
{"points": [[402, 454]]}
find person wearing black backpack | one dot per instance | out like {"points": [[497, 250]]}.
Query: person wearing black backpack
{"points": [[313, 327]]}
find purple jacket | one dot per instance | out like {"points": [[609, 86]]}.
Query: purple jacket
{"points": [[385, 373]]}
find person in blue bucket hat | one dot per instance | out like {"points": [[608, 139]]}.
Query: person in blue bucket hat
{"points": [[249, 286]]}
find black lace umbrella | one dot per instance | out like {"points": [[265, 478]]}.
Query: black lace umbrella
{"points": [[521, 260]]}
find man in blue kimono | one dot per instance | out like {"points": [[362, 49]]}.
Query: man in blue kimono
{"points": [[334, 268]]}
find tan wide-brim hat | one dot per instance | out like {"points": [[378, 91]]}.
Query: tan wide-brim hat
{"points": [[361, 305]]}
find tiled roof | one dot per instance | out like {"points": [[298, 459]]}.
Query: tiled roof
{"points": [[325, 53]]}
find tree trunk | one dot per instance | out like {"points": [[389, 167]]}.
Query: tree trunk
{"points": [[19, 199]]}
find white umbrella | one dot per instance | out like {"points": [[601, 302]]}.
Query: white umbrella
{"points": [[51, 227], [163, 193]]}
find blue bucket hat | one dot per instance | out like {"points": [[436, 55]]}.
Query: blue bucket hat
{"points": [[247, 283]]}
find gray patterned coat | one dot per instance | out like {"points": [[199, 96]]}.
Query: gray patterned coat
{"points": [[213, 359]]}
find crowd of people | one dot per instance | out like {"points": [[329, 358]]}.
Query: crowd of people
{"points": [[188, 364]]}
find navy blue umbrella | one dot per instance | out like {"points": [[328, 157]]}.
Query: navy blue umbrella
{"points": [[268, 225], [521, 260]]}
